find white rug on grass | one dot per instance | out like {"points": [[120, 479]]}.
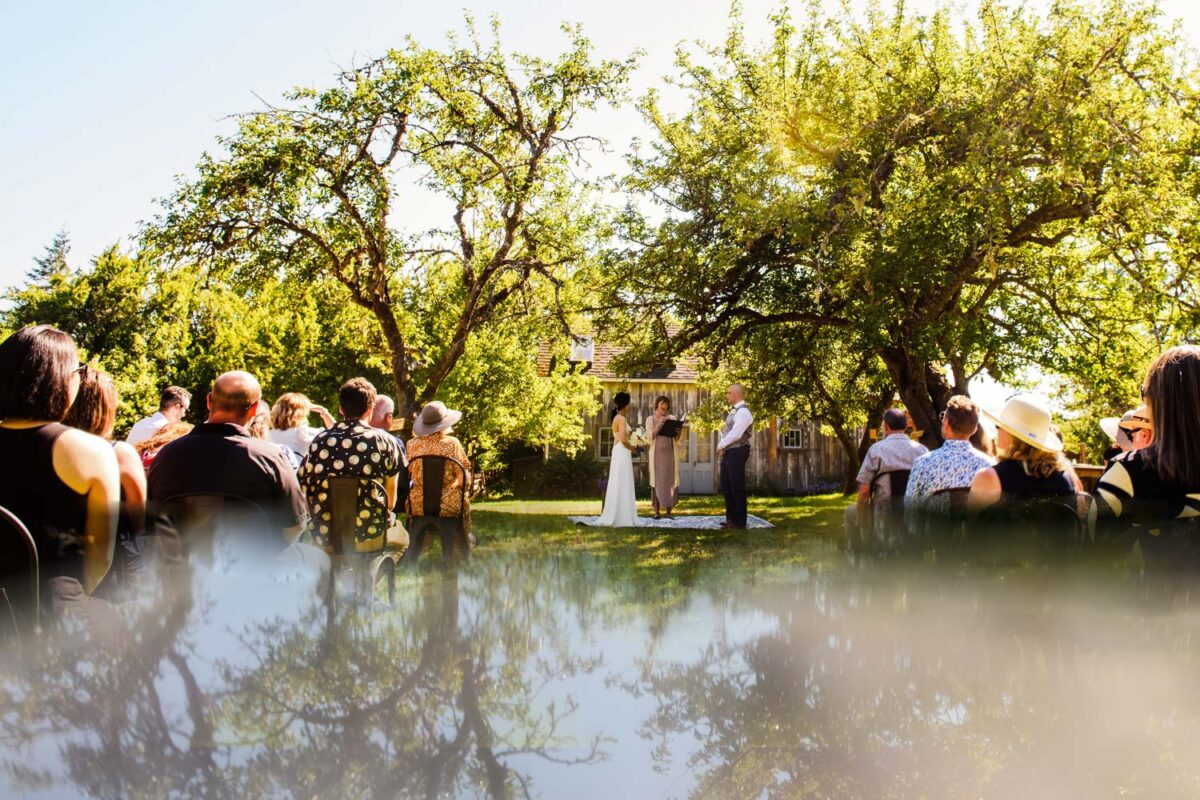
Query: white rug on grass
{"points": [[687, 522]]}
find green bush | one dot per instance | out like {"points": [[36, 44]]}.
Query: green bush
{"points": [[563, 475]]}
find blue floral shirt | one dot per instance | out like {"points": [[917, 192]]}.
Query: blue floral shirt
{"points": [[951, 466]]}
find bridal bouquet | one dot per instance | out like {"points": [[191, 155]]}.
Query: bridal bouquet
{"points": [[638, 437]]}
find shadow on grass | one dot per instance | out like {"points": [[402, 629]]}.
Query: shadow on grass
{"points": [[807, 534]]}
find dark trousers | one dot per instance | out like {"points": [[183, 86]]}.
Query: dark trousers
{"points": [[733, 483]]}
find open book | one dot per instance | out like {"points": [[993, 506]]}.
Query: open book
{"points": [[672, 427]]}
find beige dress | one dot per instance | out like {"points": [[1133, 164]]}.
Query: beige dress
{"points": [[664, 466]]}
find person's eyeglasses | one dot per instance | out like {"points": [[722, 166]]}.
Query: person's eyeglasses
{"points": [[81, 369], [942, 415]]}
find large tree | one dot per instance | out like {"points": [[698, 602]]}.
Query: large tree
{"points": [[322, 187], [941, 196]]}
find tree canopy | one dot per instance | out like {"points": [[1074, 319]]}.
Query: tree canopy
{"points": [[318, 189], [922, 195]]}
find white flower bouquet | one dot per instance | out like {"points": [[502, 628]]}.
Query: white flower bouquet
{"points": [[638, 437]]}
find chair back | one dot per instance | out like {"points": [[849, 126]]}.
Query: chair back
{"points": [[343, 510], [20, 589], [202, 520], [951, 501], [1055, 518], [898, 484], [428, 519], [433, 484]]}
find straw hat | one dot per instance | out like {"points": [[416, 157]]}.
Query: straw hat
{"points": [[1110, 425], [435, 417], [1137, 420], [1028, 420]]}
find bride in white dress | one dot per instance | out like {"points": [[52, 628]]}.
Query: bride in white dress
{"points": [[620, 501]]}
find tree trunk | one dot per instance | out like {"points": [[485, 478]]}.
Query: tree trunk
{"points": [[441, 370], [852, 458], [923, 389], [961, 381], [406, 391]]}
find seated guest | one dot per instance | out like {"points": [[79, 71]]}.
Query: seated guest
{"points": [[383, 418], [289, 422], [1139, 428], [260, 428], [1121, 443], [172, 405], [147, 449], [894, 453], [1161, 482], [1031, 466], [951, 466], [63, 483], [220, 457], [95, 411], [984, 443], [353, 448], [431, 437]]}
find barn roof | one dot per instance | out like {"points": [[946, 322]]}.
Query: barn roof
{"points": [[683, 370]]}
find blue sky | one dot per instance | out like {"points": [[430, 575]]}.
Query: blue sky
{"points": [[104, 103]]}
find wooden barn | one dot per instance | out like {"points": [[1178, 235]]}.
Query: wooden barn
{"points": [[785, 455]]}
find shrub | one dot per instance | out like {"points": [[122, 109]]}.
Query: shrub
{"points": [[563, 475]]}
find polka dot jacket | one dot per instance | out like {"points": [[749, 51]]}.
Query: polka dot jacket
{"points": [[350, 448]]}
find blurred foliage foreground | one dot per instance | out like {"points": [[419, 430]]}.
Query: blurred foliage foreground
{"points": [[564, 661]]}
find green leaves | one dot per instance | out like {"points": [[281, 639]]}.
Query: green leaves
{"points": [[941, 199]]}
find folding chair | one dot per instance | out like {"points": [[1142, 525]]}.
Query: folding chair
{"points": [[200, 521], [429, 520], [20, 576], [343, 506]]}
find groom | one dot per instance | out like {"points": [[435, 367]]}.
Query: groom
{"points": [[733, 450]]}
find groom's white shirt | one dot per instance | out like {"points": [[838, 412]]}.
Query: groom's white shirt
{"points": [[742, 419]]}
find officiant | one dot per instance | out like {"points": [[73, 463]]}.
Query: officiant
{"points": [[664, 431]]}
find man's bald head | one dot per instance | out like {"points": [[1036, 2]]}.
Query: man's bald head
{"points": [[383, 413], [234, 398]]}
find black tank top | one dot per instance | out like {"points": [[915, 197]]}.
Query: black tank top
{"points": [[1016, 484], [55, 514]]}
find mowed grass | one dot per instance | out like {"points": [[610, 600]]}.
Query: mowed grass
{"points": [[808, 532]]}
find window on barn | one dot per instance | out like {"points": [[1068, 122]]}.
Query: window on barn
{"points": [[604, 442], [797, 436]]}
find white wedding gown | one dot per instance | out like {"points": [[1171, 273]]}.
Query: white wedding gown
{"points": [[620, 501]]}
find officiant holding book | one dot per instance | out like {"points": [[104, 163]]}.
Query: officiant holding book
{"points": [[664, 431]]}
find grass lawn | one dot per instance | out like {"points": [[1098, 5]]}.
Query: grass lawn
{"points": [[808, 531]]}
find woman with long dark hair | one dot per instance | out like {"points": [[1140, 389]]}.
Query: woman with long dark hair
{"points": [[620, 500], [61, 482], [95, 411], [1161, 483]]}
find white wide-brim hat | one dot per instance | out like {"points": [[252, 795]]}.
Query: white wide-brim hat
{"points": [[435, 417], [1027, 420], [1109, 426]]}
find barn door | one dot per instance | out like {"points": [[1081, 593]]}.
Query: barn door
{"points": [[696, 463]]}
